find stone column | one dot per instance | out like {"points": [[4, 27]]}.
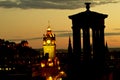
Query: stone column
{"points": [[102, 39], [86, 45], [75, 67], [94, 42], [76, 41]]}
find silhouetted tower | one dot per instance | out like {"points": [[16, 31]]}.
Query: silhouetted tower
{"points": [[69, 47], [49, 43], [85, 21]]}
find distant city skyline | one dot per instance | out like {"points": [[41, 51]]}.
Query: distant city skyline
{"points": [[29, 21]]}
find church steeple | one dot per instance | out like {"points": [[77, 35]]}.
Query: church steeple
{"points": [[69, 46], [106, 47]]}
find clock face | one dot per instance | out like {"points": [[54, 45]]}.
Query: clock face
{"points": [[48, 41]]}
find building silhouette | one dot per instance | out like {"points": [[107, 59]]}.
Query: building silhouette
{"points": [[49, 43], [91, 60]]}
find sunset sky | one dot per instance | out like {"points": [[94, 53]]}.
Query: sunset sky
{"points": [[28, 20]]}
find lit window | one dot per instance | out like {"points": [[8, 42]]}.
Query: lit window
{"points": [[10, 69], [6, 69]]}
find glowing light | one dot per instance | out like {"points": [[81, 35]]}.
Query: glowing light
{"points": [[42, 65], [58, 62], [44, 42], [59, 68], [62, 72], [50, 78], [10, 69], [53, 42], [6, 69], [48, 29], [49, 59], [50, 64], [59, 79], [48, 41]]}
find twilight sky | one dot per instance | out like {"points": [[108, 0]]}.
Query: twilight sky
{"points": [[28, 20]]}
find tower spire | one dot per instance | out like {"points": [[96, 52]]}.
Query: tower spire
{"points": [[106, 46], [69, 46], [48, 23], [48, 28]]}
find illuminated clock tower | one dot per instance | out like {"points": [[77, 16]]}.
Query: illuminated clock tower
{"points": [[49, 45]]}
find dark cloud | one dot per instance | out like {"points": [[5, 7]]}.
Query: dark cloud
{"points": [[70, 34], [112, 34], [51, 4], [61, 31], [35, 38], [61, 34], [64, 35]]}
